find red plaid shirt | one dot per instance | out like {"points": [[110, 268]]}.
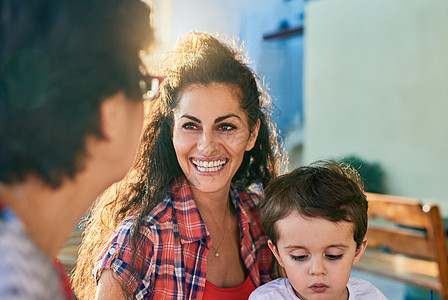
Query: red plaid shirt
{"points": [[169, 260]]}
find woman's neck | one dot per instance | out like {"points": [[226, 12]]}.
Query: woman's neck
{"points": [[212, 205]]}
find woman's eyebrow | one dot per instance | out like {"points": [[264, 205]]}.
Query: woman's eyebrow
{"points": [[191, 118], [219, 119], [225, 117]]}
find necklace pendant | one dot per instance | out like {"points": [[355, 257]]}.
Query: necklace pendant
{"points": [[216, 254]]}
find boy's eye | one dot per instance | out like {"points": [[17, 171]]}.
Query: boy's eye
{"points": [[334, 257], [189, 126], [227, 127], [299, 257]]}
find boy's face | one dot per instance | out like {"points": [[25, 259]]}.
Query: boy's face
{"points": [[317, 255]]}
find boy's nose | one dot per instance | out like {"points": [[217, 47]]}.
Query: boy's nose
{"points": [[317, 267]]}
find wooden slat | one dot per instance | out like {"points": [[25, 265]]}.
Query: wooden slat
{"points": [[392, 209], [406, 241], [69, 253], [438, 233], [413, 271], [414, 238]]}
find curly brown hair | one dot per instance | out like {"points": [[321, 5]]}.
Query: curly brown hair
{"points": [[200, 59]]}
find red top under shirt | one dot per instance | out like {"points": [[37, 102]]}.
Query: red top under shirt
{"points": [[240, 292]]}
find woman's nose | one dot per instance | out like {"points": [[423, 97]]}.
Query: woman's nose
{"points": [[207, 143]]}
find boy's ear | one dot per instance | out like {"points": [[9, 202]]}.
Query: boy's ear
{"points": [[360, 251], [275, 252]]}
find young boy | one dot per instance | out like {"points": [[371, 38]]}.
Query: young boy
{"points": [[316, 220]]}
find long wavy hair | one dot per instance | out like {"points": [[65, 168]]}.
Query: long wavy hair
{"points": [[198, 59]]}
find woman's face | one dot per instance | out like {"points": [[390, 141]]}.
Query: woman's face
{"points": [[210, 135]]}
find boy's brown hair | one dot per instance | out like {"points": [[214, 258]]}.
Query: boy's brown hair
{"points": [[324, 189]]}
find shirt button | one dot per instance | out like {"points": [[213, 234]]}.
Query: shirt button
{"points": [[111, 251]]}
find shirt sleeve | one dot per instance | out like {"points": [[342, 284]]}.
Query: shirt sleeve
{"points": [[128, 257]]}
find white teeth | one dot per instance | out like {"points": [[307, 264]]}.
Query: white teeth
{"points": [[209, 166]]}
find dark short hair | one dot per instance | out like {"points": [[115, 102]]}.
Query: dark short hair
{"points": [[324, 189], [59, 59]]}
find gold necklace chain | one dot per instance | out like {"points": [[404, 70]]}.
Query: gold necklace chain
{"points": [[222, 239]]}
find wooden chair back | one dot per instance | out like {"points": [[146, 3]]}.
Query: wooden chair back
{"points": [[68, 255], [406, 242]]}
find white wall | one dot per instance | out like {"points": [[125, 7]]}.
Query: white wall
{"points": [[249, 19], [376, 85]]}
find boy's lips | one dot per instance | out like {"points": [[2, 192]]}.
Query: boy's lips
{"points": [[318, 287]]}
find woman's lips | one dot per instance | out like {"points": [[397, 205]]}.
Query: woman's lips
{"points": [[208, 166]]}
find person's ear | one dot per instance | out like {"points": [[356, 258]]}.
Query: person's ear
{"points": [[360, 251], [109, 113], [274, 250], [253, 136]]}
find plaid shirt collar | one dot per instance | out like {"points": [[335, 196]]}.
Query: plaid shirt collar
{"points": [[191, 225]]}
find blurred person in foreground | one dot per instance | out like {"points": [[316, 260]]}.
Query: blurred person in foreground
{"points": [[71, 114]]}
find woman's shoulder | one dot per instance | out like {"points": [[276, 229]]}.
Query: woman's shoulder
{"points": [[251, 194], [160, 214], [124, 242]]}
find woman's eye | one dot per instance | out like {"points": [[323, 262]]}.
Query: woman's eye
{"points": [[334, 257], [227, 127], [189, 126], [299, 257]]}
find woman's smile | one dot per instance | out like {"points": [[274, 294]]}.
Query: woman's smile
{"points": [[208, 166], [210, 135]]}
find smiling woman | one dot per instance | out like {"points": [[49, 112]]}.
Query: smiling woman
{"points": [[210, 140], [184, 222]]}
